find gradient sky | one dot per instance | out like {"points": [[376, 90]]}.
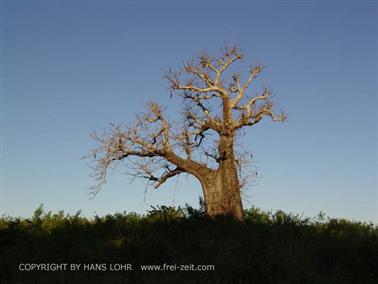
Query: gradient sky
{"points": [[70, 67]]}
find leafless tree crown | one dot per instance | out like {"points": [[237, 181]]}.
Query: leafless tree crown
{"points": [[215, 104]]}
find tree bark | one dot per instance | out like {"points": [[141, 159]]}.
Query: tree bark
{"points": [[221, 195], [221, 188]]}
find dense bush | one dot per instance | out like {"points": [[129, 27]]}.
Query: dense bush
{"points": [[266, 248]]}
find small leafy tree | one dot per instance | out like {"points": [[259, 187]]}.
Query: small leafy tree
{"points": [[217, 106]]}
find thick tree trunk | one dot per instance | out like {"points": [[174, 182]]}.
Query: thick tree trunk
{"points": [[222, 196], [221, 188]]}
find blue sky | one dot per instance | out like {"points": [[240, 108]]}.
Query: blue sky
{"points": [[70, 67]]}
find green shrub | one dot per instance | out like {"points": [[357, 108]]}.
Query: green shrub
{"points": [[268, 247]]}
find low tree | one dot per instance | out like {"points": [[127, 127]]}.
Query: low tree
{"points": [[216, 107]]}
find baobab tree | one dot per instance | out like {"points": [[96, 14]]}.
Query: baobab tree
{"points": [[215, 107]]}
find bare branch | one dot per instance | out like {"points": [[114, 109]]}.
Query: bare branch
{"points": [[209, 73], [252, 115], [190, 67], [167, 175], [241, 90], [230, 55]]}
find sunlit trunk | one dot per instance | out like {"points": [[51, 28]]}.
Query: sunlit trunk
{"points": [[222, 188], [222, 198]]}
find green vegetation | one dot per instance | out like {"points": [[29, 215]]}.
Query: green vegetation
{"points": [[266, 248]]}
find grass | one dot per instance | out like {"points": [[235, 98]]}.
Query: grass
{"points": [[267, 248]]}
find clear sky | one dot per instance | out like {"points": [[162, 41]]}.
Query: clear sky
{"points": [[70, 67]]}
